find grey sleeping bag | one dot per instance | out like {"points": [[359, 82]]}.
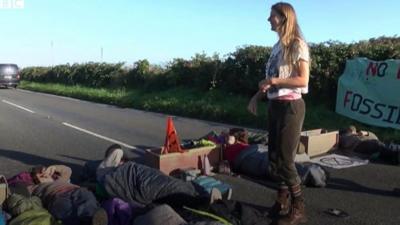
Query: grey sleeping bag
{"points": [[253, 161]]}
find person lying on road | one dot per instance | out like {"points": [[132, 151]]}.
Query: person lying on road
{"points": [[137, 183], [67, 202]]}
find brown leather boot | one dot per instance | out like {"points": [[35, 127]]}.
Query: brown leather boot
{"points": [[282, 204], [297, 214]]}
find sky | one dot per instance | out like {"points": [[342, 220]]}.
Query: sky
{"points": [[52, 32]]}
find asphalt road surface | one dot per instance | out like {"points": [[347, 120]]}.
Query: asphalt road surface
{"points": [[38, 128], [45, 129]]}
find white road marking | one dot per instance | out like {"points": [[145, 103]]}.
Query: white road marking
{"points": [[103, 137], [18, 106]]}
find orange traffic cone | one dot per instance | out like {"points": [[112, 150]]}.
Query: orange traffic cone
{"points": [[171, 140]]}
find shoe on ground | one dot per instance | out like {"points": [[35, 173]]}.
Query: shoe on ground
{"points": [[215, 195], [100, 217], [228, 194], [225, 189]]}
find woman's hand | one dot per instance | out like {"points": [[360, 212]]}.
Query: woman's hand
{"points": [[264, 85]]}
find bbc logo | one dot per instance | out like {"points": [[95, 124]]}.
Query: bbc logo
{"points": [[12, 4]]}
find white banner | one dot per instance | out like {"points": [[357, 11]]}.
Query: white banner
{"points": [[369, 91], [339, 161]]}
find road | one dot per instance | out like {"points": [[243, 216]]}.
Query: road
{"points": [[38, 128]]}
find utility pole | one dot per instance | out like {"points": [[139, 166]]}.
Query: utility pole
{"points": [[101, 54], [52, 53]]}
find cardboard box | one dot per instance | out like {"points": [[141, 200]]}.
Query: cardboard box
{"points": [[192, 158], [317, 143]]}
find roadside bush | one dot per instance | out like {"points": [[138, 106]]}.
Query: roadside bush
{"points": [[136, 77], [37, 74], [88, 74], [243, 69]]}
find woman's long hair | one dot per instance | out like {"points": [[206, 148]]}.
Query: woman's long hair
{"points": [[289, 31]]}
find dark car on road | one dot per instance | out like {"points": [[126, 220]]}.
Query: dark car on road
{"points": [[9, 75]]}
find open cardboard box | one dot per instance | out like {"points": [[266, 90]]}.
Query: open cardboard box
{"points": [[317, 143], [191, 158]]}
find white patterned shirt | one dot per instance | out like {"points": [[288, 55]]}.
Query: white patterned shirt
{"points": [[275, 68]]}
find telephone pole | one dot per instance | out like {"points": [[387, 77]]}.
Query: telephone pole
{"points": [[101, 54], [52, 53]]}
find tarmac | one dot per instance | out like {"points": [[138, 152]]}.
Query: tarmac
{"points": [[362, 195]]}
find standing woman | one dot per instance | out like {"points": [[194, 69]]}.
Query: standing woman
{"points": [[287, 75]]}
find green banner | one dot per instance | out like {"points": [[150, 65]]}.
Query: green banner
{"points": [[369, 91]]}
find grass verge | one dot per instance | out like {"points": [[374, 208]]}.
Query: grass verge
{"points": [[213, 105]]}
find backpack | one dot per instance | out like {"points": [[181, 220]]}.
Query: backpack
{"points": [[23, 177], [35, 217]]}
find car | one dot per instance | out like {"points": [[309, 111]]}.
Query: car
{"points": [[9, 75]]}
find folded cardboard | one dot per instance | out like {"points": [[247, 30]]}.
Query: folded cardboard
{"points": [[192, 158], [316, 142]]}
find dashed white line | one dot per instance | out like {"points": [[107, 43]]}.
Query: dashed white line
{"points": [[82, 130], [102, 137], [18, 106]]}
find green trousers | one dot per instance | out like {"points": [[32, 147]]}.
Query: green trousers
{"points": [[285, 121]]}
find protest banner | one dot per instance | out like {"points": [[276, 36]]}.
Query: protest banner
{"points": [[369, 91]]}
